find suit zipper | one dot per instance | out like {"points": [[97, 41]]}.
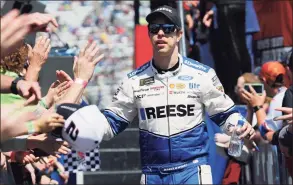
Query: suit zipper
{"points": [[169, 140]]}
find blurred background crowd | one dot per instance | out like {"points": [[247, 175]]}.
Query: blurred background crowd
{"points": [[245, 41]]}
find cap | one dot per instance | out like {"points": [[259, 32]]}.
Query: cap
{"points": [[66, 110], [167, 11], [272, 72], [81, 129]]}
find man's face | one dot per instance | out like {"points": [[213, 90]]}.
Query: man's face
{"points": [[164, 42]]}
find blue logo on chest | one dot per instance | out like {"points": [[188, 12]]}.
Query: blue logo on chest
{"points": [[185, 77]]}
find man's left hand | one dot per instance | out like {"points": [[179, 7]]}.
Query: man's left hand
{"points": [[247, 131]]}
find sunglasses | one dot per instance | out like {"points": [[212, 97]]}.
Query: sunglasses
{"points": [[166, 28]]}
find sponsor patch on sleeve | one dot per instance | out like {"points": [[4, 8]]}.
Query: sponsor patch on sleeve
{"points": [[220, 88], [216, 80], [147, 81], [139, 70]]}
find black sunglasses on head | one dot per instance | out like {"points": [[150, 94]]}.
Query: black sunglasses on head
{"points": [[166, 28]]}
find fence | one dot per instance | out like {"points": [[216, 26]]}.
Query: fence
{"points": [[266, 166]]}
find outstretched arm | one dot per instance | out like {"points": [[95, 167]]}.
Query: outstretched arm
{"points": [[83, 69], [222, 109]]}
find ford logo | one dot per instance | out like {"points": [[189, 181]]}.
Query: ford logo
{"points": [[185, 77]]}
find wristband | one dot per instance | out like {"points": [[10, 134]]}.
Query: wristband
{"points": [[257, 108], [264, 129], [43, 104], [13, 87], [30, 127], [81, 82]]}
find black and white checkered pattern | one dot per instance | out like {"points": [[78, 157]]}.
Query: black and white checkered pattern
{"points": [[89, 161]]}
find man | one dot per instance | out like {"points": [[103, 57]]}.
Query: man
{"points": [[284, 136], [274, 77], [169, 94], [228, 40]]}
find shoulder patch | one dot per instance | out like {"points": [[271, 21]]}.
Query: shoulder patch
{"points": [[196, 65], [139, 70]]}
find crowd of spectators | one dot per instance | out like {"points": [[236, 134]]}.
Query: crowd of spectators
{"points": [[111, 25], [29, 150]]}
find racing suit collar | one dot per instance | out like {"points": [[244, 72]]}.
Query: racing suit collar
{"points": [[168, 74]]}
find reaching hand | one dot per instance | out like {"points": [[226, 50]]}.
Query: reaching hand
{"points": [[85, 63], [50, 145], [288, 117], [222, 140], [56, 91], [48, 122], [62, 76], [15, 27], [29, 90], [25, 157], [41, 21], [253, 99], [39, 54], [208, 18], [247, 131], [61, 90]]}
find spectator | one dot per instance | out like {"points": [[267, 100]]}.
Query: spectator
{"points": [[273, 75], [231, 44], [233, 170], [284, 136]]}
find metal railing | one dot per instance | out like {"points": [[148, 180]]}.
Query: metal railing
{"points": [[266, 167]]}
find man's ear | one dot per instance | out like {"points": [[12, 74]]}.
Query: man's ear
{"points": [[179, 35]]}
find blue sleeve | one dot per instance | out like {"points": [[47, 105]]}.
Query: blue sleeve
{"points": [[116, 122], [220, 118]]}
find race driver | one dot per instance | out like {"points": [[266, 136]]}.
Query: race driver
{"points": [[170, 94]]}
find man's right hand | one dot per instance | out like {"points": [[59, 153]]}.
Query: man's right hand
{"points": [[85, 63], [29, 90]]}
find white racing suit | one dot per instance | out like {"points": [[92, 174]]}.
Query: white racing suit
{"points": [[171, 109]]}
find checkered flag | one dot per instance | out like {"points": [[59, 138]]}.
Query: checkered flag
{"points": [[78, 161]]}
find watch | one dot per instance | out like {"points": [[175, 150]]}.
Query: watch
{"points": [[13, 87], [256, 108]]}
